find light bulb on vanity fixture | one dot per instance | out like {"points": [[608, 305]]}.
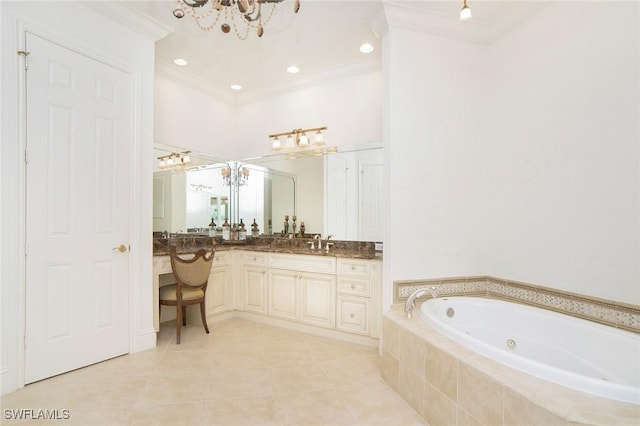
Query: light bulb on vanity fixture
{"points": [[465, 12]]}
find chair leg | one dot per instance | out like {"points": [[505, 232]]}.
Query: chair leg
{"points": [[184, 315], [178, 323], [204, 317]]}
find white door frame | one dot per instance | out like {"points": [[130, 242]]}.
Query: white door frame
{"points": [[142, 334]]}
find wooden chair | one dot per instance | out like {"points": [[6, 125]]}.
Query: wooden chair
{"points": [[192, 276]]}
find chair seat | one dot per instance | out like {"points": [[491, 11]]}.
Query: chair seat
{"points": [[168, 292]]}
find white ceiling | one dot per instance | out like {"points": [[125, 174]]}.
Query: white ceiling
{"points": [[323, 38]]}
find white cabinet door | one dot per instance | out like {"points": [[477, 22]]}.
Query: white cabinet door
{"points": [[318, 299], [255, 289], [218, 290], [283, 293]]}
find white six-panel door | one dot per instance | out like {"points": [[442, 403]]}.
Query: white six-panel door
{"points": [[78, 197]]}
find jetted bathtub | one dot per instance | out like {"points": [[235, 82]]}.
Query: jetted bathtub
{"points": [[572, 352]]}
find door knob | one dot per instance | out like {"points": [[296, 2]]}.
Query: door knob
{"points": [[121, 248]]}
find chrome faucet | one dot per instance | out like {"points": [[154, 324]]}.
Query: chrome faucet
{"points": [[411, 301], [327, 244], [317, 237]]}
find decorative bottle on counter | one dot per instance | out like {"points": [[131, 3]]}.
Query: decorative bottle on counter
{"points": [[212, 228], [226, 230], [242, 232], [254, 229]]}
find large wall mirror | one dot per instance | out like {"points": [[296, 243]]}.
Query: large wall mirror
{"points": [[335, 194]]}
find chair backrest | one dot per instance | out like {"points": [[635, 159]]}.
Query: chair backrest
{"points": [[193, 272]]}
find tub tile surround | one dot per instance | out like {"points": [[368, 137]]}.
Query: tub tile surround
{"points": [[457, 386], [607, 312]]}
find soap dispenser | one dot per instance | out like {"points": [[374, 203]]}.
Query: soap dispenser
{"points": [[254, 229]]}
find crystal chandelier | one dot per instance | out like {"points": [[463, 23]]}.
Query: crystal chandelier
{"points": [[241, 15]]}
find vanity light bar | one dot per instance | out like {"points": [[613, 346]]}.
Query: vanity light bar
{"points": [[174, 159], [297, 138]]}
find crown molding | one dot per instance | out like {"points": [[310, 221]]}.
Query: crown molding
{"points": [[362, 66], [131, 18]]}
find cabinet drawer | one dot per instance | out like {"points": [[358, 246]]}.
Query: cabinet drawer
{"points": [[255, 258], [222, 258], [303, 263], [354, 286], [353, 267], [353, 314]]}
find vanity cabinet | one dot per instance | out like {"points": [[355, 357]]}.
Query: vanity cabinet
{"points": [[357, 281], [302, 288], [340, 294], [254, 282]]}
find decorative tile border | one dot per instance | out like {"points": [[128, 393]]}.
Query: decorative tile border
{"points": [[615, 314]]}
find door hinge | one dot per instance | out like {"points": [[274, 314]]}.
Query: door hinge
{"points": [[25, 341], [26, 58], [26, 157], [25, 250]]}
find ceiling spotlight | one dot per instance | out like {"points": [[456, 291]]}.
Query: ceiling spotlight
{"points": [[236, 87], [181, 62], [465, 12], [292, 69], [366, 48]]}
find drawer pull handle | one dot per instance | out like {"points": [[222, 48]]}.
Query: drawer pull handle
{"points": [[353, 267], [353, 286], [352, 315]]}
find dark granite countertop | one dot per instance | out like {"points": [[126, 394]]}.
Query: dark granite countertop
{"points": [[343, 249]]}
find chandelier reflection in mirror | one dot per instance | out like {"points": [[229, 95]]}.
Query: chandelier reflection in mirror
{"points": [[175, 159], [302, 142], [235, 176], [241, 15]]}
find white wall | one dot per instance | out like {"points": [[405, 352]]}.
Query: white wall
{"points": [[519, 160], [191, 119], [563, 151], [435, 139], [78, 27], [351, 108]]}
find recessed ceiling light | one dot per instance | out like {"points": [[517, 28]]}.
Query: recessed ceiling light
{"points": [[236, 87], [180, 61], [366, 48], [292, 69]]}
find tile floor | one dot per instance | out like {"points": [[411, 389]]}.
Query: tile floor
{"points": [[243, 373]]}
